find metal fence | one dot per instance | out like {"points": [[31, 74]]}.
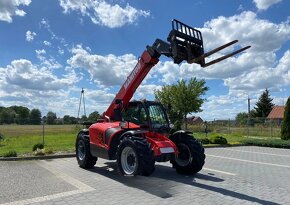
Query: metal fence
{"points": [[259, 127]]}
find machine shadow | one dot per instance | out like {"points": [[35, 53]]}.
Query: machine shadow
{"points": [[164, 181]]}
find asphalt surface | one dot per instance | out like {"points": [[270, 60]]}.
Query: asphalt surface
{"points": [[237, 175]]}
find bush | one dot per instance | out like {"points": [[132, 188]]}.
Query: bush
{"points": [[39, 152], [37, 146], [204, 140], [49, 151], [11, 153], [277, 143], [2, 137], [218, 140]]}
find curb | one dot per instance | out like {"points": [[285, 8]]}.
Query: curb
{"points": [[37, 157], [225, 146]]}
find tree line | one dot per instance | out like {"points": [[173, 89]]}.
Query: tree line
{"points": [[24, 116]]}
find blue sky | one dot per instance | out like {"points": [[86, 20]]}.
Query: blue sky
{"points": [[51, 49]]}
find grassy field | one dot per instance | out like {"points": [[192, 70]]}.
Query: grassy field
{"points": [[238, 139], [257, 130], [21, 138]]}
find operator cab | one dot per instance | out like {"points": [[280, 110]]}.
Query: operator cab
{"points": [[148, 115]]}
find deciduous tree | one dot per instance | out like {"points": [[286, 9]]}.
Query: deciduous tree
{"points": [[94, 116], [50, 118], [35, 117], [182, 98]]}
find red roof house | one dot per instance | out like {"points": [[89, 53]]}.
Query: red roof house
{"points": [[277, 112], [194, 120]]}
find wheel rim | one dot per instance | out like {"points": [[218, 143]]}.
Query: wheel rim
{"points": [[129, 160], [81, 150], [184, 157]]}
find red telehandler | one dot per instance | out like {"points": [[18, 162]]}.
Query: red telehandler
{"points": [[137, 133]]}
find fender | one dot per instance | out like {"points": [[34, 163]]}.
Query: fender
{"points": [[179, 134], [135, 132], [85, 131], [114, 140]]}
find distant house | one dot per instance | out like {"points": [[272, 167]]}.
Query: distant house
{"points": [[194, 120], [277, 114]]}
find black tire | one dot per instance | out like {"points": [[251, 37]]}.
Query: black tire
{"points": [[83, 154], [135, 157], [191, 158]]}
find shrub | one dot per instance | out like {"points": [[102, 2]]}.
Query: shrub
{"points": [[2, 137], [11, 153], [39, 152], [278, 143], [48, 151], [37, 146], [218, 140], [204, 140]]}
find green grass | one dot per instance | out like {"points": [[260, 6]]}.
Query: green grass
{"points": [[233, 139], [237, 139], [21, 138], [257, 130]]}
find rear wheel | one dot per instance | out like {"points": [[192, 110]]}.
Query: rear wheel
{"points": [[83, 154], [134, 157], [191, 157]]}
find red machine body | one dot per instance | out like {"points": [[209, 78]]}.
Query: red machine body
{"points": [[137, 133], [103, 133]]}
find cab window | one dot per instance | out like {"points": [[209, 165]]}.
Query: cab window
{"points": [[135, 114]]}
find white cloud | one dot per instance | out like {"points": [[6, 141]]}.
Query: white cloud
{"points": [[249, 73], [30, 36], [257, 68], [261, 34], [223, 106], [265, 4], [262, 77], [35, 86], [49, 63], [107, 70], [40, 52], [103, 13], [146, 91], [9, 8], [23, 75], [47, 43], [60, 51], [45, 24]]}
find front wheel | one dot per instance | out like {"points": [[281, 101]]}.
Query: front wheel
{"points": [[134, 157], [190, 158], [83, 154]]}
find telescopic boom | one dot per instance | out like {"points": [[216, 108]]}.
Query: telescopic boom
{"points": [[184, 43]]}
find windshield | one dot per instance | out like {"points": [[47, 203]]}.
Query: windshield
{"points": [[157, 116], [137, 114]]}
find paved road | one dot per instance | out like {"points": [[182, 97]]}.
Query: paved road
{"points": [[238, 175]]}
